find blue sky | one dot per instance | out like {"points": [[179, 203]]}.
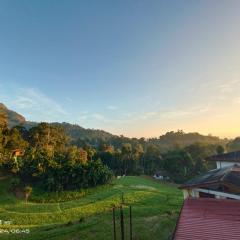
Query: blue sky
{"points": [[138, 68]]}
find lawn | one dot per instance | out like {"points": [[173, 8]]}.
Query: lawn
{"points": [[155, 208]]}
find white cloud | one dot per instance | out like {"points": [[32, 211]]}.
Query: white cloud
{"points": [[98, 116], [228, 87], [111, 107], [68, 99], [236, 100], [147, 115], [175, 113], [33, 104]]}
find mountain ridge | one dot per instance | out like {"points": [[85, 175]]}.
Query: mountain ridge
{"points": [[73, 130], [76, 132]]}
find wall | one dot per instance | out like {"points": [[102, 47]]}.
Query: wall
{"points": [[195, 193], [225, 164]]}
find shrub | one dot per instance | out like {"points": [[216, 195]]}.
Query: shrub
{"points": [[15, 182]]}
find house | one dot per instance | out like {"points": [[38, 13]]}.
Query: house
{"points": [[222, 182], [211, 208], [225, 159], [217, 183], [17, 153], [208, 218], [161, 175]]}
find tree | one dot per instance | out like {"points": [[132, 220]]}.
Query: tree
{"points": [[3, 137], [199, 152], [48, 137], [15, 140], [3, 120], [179, 164], [234, 145], [152, 159], [126, 154], [76, 155], [27, 192], [220, 149]]}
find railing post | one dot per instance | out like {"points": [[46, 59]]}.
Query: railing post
{"points": [[130, 222], [114, 224], [122, 223]]}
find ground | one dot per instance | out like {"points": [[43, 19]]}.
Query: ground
{"points": [[155, 208]]}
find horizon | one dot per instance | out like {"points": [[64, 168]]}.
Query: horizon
{"points": [[136, 68], [147, 137]]}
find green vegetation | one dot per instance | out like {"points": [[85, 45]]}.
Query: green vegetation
{"points": [[56, 158], [61, 175], [42, 156], [155, 210]]}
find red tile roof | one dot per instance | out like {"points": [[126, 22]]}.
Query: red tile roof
{"points": [[209, 218]]}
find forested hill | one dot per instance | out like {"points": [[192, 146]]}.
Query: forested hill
{"points": [[13, 118], [76, 133], [182, 139]]}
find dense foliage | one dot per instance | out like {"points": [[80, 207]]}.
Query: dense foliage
{"points": [[47, 159], [65, 156]]}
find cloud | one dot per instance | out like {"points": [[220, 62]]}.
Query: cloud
{"points": [[236, 100], [68, 99], [33, 104], [111, 107], [175, 113], [229, 86], [147, 115], [33, 98], [98, 116]]}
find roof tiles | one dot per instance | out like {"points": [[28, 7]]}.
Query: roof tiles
{"points": [[208, 218]]}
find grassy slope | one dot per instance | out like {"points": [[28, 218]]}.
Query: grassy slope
{"points": [[155, 210]]}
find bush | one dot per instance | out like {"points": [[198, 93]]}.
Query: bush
{"points": [[15, 182]]}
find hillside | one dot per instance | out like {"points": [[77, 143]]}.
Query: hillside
{"points": [[75, 132], [182, 139], [13, 118], [155, 208]]}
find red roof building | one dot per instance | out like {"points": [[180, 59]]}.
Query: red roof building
{"points": [[209, 218], [17, 152]]}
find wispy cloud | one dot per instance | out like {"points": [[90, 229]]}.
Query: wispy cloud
{"points": [[33, 104], [174, 113], [236, 100], [68, 99], [229, 86], [98, 116], [112, 107]]}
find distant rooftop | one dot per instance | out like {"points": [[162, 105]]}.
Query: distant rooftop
{"points": [[209, 218], [222, 176], [226, 157]]}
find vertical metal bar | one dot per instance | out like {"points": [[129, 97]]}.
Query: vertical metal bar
{"points": [[130, 222], [114, 224], [122, 223]]}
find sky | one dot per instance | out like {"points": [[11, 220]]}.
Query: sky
{"points": [[138, 68]]}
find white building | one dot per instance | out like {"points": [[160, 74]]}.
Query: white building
{"points": [[222, 182]]}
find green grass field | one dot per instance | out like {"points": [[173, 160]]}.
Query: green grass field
{"points": [[155, 208]]}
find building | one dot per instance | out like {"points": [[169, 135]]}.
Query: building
{"points": [[222, 182], [225, 159], [218, 183], [17, 153], [208, 218], [161, 175], [211, 208]]}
